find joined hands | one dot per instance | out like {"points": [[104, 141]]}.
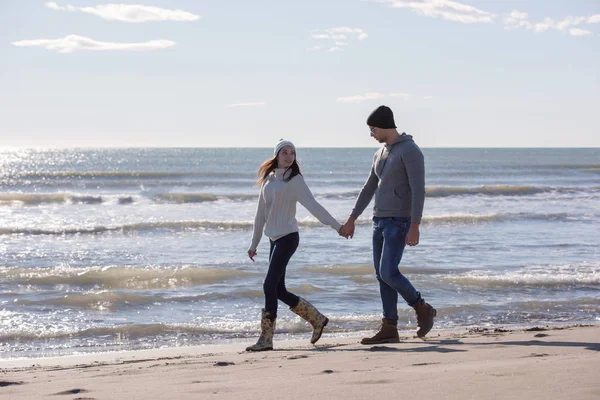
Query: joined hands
{"points": [[347, 230]]}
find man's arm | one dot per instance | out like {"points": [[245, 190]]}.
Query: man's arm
{"points": [[362, 201], [414, 163]]}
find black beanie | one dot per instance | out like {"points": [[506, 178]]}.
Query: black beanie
{"points": [[382, 117]]}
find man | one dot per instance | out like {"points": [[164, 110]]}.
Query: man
{"points": [[397, 180]]}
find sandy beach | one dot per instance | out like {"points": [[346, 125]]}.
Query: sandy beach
{"points": [[535, 363]]}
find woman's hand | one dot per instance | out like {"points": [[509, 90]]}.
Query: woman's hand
{"points": [[251, 254]]}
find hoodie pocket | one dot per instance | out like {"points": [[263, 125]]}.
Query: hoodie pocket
{"points": [[402, 192]]}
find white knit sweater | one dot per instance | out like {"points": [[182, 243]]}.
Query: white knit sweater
{"points": [[276, 211]]}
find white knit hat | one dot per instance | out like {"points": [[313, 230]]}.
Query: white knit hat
{"points": [[283, 143]]}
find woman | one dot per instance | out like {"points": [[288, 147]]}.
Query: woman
{"points": [[282, 185]]}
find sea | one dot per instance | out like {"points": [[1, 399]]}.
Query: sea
{"points": [[121, 249]]}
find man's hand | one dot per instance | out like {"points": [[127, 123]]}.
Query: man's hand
{"points": [[412, 238], [251, 254], [347, 230]]}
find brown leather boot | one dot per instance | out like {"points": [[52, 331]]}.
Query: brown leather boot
{"points": [[388, 333], [425, 315]]}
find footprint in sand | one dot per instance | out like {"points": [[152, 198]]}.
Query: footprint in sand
{"points": [[9, 383], [72, 391], [297, 357], [223, 364]]}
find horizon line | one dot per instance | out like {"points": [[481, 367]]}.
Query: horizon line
{"points": [[270, 147]]}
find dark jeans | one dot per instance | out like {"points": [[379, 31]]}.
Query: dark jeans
{"points": [[282, 250], [389, 240]]}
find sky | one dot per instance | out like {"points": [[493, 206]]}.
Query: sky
{"points": [[245, 73]]}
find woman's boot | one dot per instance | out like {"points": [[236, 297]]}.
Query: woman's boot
{"points": [[308, 312], [267, 329]]}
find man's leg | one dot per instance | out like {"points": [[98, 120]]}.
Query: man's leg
{"points": [[388, 332], [394, 241], [389, 296]]}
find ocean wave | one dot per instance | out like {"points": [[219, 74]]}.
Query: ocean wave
{"points": [[130, 228], [119, 174], [248, 224], [113, 301], [122, 277], [360, 270], [35, 199], [477, 218], [502, 190], [485, 190], [186, 198], [571, 275], [118, 333], [105, 301]]}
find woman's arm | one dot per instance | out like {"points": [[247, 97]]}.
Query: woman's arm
{"points": [[259, 221], [306, 198]]}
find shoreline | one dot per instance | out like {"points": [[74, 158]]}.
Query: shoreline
{"points": [[538, 362], [405, 331]]}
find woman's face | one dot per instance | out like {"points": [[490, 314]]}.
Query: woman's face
{"points": [[286, 157]]}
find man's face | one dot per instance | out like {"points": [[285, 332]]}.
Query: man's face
{"points": [[286, 157], [376, 134]]}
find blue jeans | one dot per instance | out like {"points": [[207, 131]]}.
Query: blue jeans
{"points": [[280, 254], [389, 240]]}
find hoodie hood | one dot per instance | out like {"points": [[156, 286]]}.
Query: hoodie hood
{"points": [[402, 138]]}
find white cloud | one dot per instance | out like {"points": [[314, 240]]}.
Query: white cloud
{"points": [[72, 43], [360, 98], [252, 104], [542, 26], [579, 32], [567, 24], [594, 19], [405, 96], [446, 9], [427, 97], [135, 13], [344, 29], [372, 96], [569, 21], [518, 14], [336, 39]]}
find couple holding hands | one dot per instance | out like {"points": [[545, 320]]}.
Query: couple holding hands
{"points": [[396, 179]]}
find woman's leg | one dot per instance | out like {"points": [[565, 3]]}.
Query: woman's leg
{"points": [[274, 286]]}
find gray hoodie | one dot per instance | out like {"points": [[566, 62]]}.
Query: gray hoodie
{"points": [[397, 180]]}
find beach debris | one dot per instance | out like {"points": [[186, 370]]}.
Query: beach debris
{"points": [[223, 363]]}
